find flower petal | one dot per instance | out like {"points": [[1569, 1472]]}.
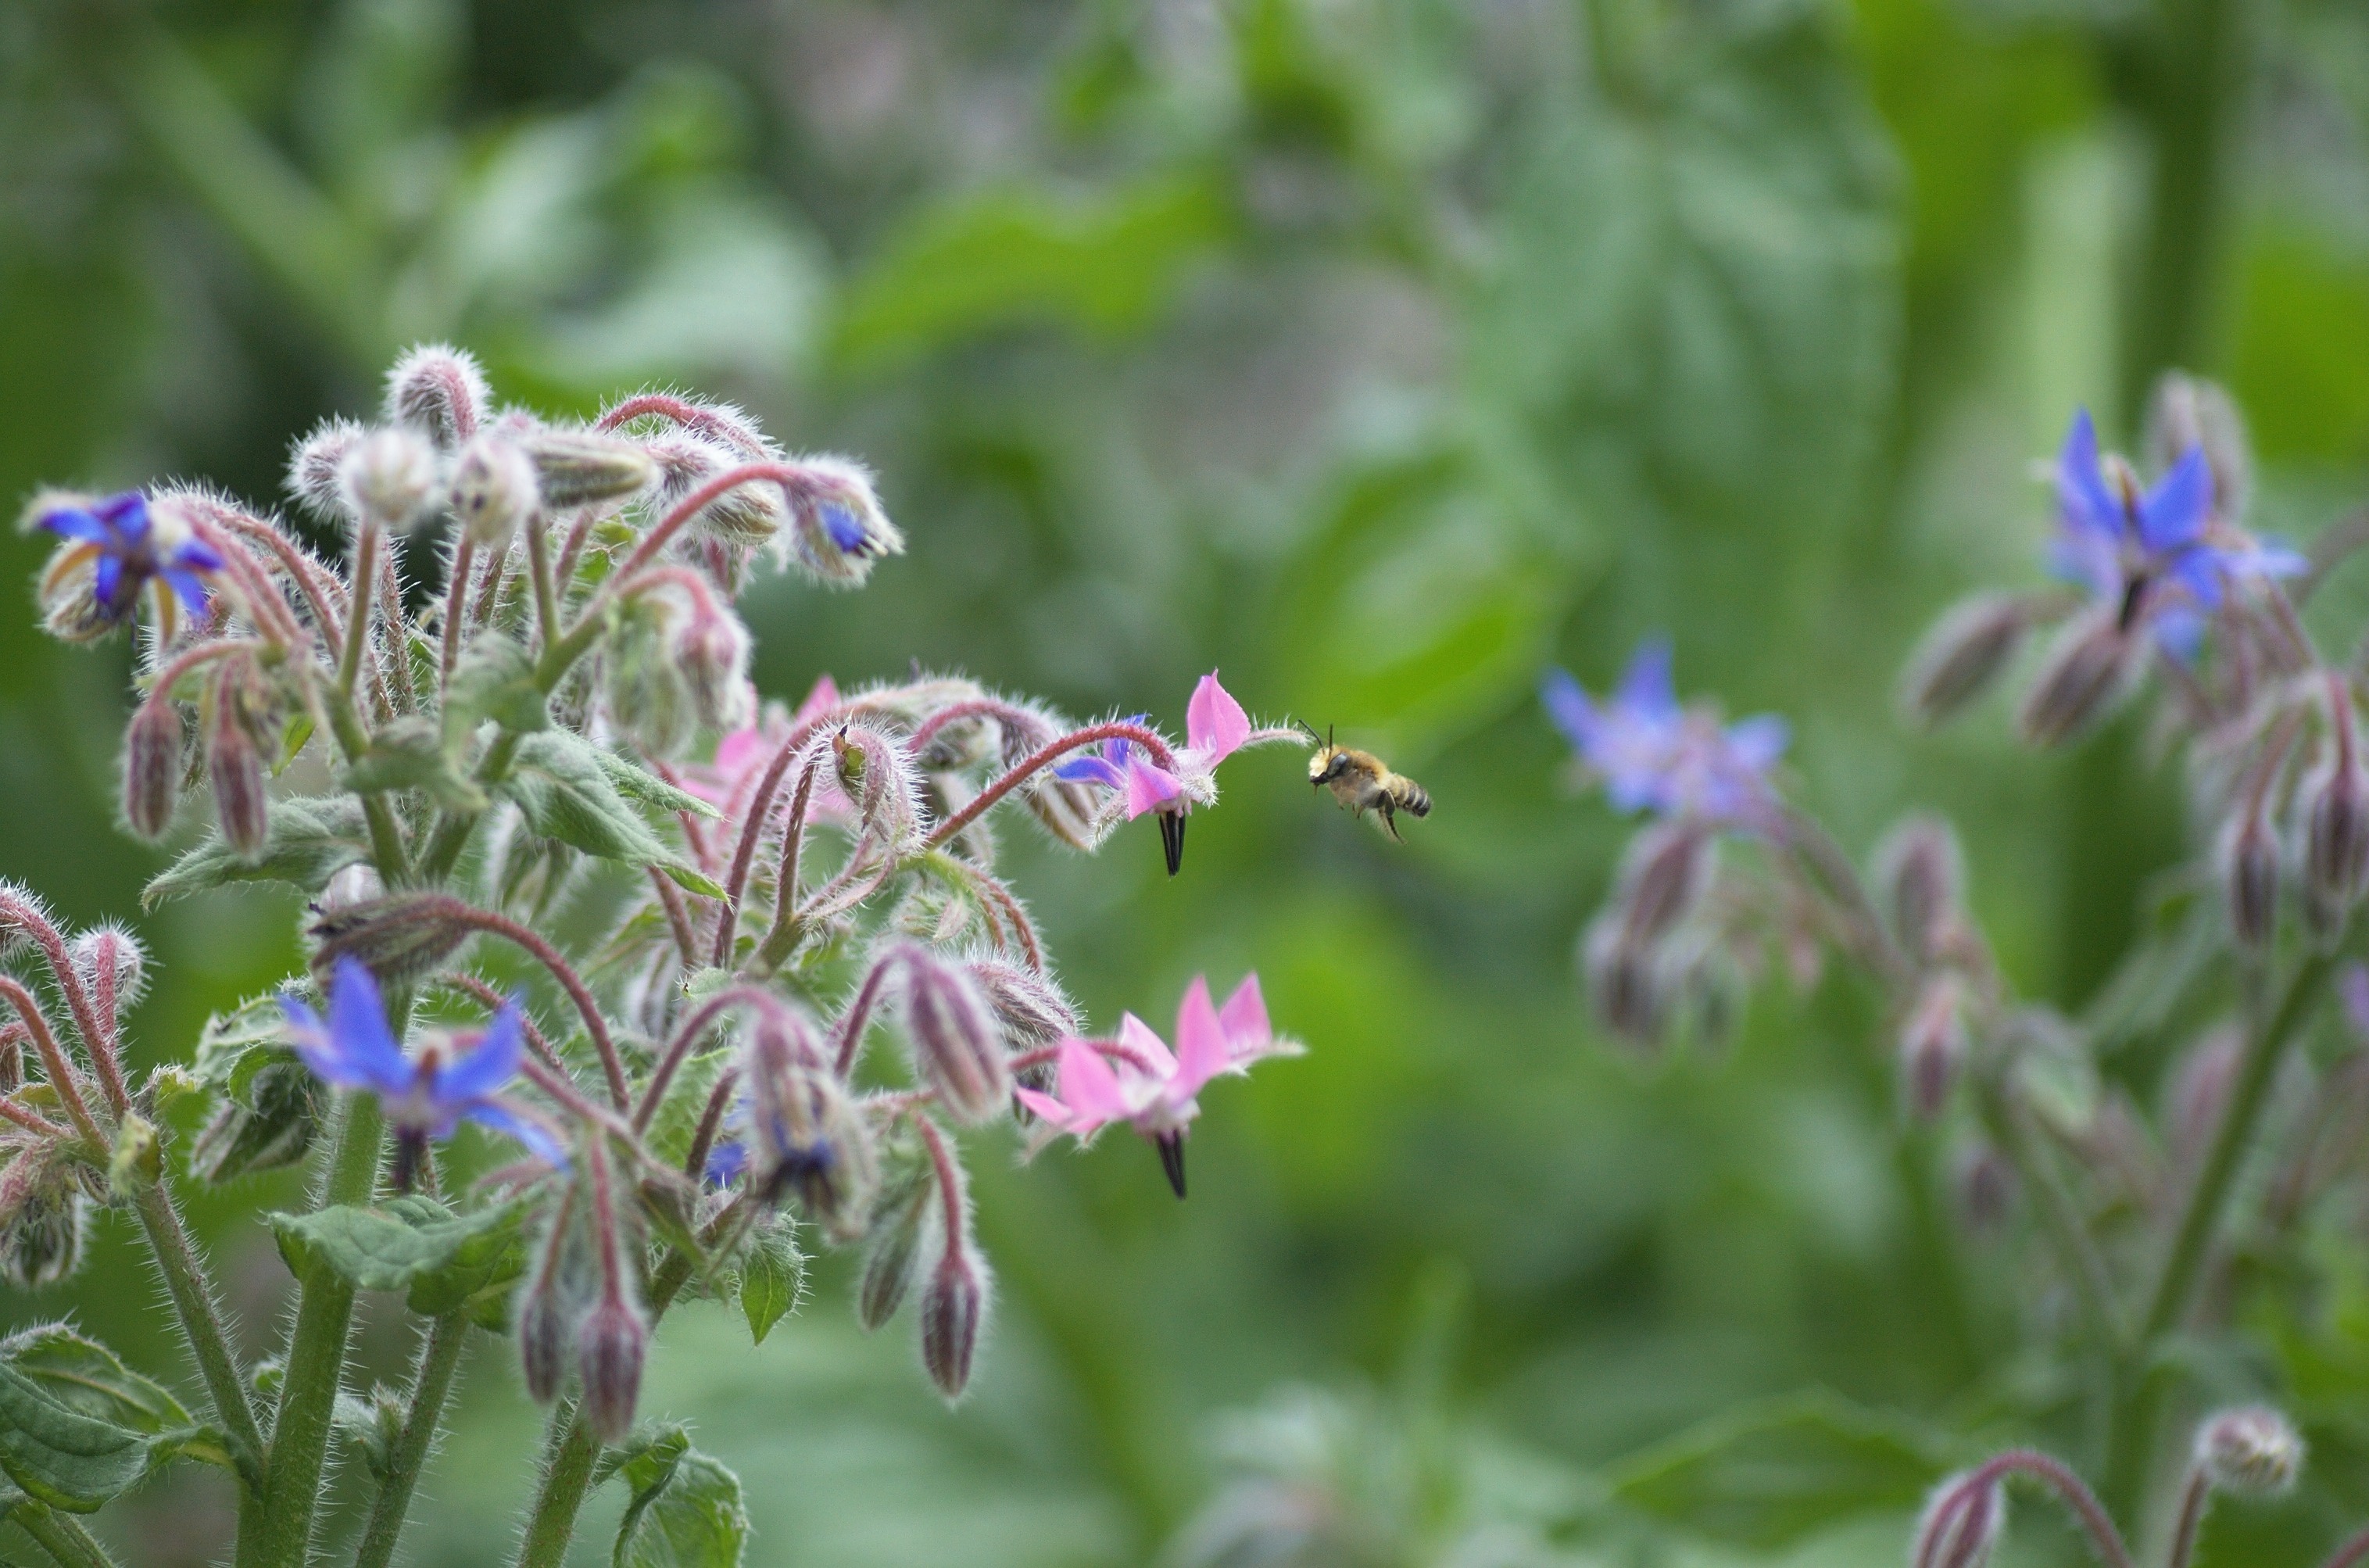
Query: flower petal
{"points": [[2173, 513], [1090, 769], [1146, 1047], [1089, 1089], [490, 1064], [191, 591], [1755, 743], [1200, 1041], [2082, 501], [1148, 789], [1046, 1108], [1215, 725], [1568, 707], [1647, 691], [359, 1034], [502, 1119], [107, 579], [1244, 1018], [74, 523]]}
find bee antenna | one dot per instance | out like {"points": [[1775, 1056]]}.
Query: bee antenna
{"points": [[1307, 726]]}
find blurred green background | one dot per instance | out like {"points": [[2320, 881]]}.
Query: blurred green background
{"points": [[1377, 352]]}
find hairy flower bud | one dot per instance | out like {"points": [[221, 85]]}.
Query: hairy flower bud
{"points": [[1962, 653], [389, 477], [1960, 1524], [42, 1216], [270, 1123], [889, 1248], [1030, 1008], [1068, 811], [645, 692], [876, 774], [399, 937], [1918, 879], [1628, 993], [957, 1048], [2250, 1452], [577, 467], [1985, 1189], [954, 1308], [610, 1346], [437, 392], [839, 527], [2249, 876], [2188, 411], [493, 490], [316, 468], [808, 1140], [110, 961], [1932, 1049], [235, 769], [710, 649], [2336, 811], [151, 767], [2089, 671], [1660, 877], [744, 517]]}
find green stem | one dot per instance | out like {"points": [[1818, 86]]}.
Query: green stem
{"points": [[439, 1358], [195, 1305], [61, 1535], [316, 1359], [2059, 1217]]}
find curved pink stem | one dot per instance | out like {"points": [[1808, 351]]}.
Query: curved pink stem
{"points": [[1149, 740]]}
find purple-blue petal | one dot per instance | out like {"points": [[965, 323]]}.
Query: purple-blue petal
{"points": [[1756, 742], [2180, 630], [1647, 689], [2083, 502], [126, 513], [725, 1163], [2199, 570], [107, 581], [1567, 706], [197, 555], [490, 1064], [845, 529], [74, 523], [2172, 514], [358, 1034], [1089, 768], [190, 591], [484, 1113], [2090, 560]]}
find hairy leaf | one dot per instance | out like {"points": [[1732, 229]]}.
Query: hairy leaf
{"points": [[77, 1426], [410, 1244], [686, 1510], [310, 839], [567, 788], [773, 1277]]}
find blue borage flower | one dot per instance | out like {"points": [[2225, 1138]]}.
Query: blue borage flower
{"points": [[2154, 553], [129, 550], [1653, 754], [455, 1080]]}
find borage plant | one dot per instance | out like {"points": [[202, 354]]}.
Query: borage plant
{"points": [[510, 763], [2156, 1231]]}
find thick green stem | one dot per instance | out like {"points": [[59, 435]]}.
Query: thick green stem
{"points": [[316, 1360], [439, 1358], [62, 1536], [196, 1306], [2139, 1392]]}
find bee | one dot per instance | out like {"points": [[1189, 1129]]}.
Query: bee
{"points": [[1362, 782]]}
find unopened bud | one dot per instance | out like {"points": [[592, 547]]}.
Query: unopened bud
{"points": [[1963, 653], [42, 1216], [878, 775], [839, 527], [2089, 671], [271, 1123], [2249, 876], [2253, 1452], [1960, 1524], [493, 490], [2188, 411], [1070, 812], [711, 650], [398, 938], [1663, 874], [389, 477], [610, 1346], [809, 1141], [954, 1308], [744, 516], [888, 1249], [1918, 878], [235, 769], [1030, 1008], [645, 694], [1932, 1047], [1622, 983], [1985, 1189], [316, 468], [579, 467], [956, 1049], [2336, 824], [151, 767], [110, 959], [439, 391]]}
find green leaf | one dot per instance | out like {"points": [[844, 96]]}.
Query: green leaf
{"points": [[77, 1426], [371, 1426], [410, 1244], [234, 1045], [409, 753], [493, 678], [311, 838], [1015, 255], [773, 1277], [637, 784], [566, 788], [1764, 1477], [686, 1510]]}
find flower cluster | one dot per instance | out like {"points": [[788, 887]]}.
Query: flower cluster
{"points": [[563, 737]]}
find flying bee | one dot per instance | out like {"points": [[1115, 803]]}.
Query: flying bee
{"points": [[1362, 782]]}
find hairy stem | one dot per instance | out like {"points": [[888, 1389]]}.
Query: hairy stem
{"points": [[199, 1312], [1044, 757], [431, 1381], [2092, 1285], [2104, 1540], [61, 1535]]}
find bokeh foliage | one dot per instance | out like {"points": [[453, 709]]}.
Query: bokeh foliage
{"points": [[1375, 351]]}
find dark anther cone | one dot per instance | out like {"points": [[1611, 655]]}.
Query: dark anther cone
{"points": [[1171, 1159], [1171, 839]]}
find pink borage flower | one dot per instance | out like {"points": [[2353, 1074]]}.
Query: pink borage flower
{"points": [[1215, 728], [1137, 1080]]}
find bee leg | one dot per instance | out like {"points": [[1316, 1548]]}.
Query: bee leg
{"points": [[1391, 820]]}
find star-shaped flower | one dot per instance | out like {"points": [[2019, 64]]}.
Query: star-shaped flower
{"points": [[130, 547], [1215, 728], [1653, 754]]}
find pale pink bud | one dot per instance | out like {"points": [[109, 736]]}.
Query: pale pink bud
{"points": [[711, 651], [954, 1308], [744, 517], [110, 960], [316, 469], [1918, 876], [2089, 671], [1932, 1049], [235, 769], [151, 767], [957, 1048], [545, 1332], [1068, 811], [2253, 1452], [1960, 1524], [610, 1346], [390, 478], [397, 937], [878, 775], [1030, 1007], [494, 489], [888, 1251], [1962, 653], [575, 467], [437, 392], [2336, 822]]}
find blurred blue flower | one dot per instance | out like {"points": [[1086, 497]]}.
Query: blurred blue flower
{"points": [[453, 1081], [2153, 553], [1653, 754], [132, 551]]}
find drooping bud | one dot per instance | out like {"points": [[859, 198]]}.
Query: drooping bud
{"points": [[1662, 875], [710, 648], [2089, 669], [1030, 1008], [954, 1309], [2188, 411], [316, 469], [877, 776], [1919, 879], [390, 477], [1985, 1189], [610, 1346], [2335, 810], [234, 767], [743, 517], [1960, 1524], [437, 392], [399, 937], [2249, 1452], [548, 1309], [1963, 653], [151, 767], [2249, 876], [493, 490], [888, 1249], [951, 1030], [808, 1140], [645, 692], [111, 962], [1932, 1049], [1628, 993], [839, 529], [578, 467], [42, 1216]]}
